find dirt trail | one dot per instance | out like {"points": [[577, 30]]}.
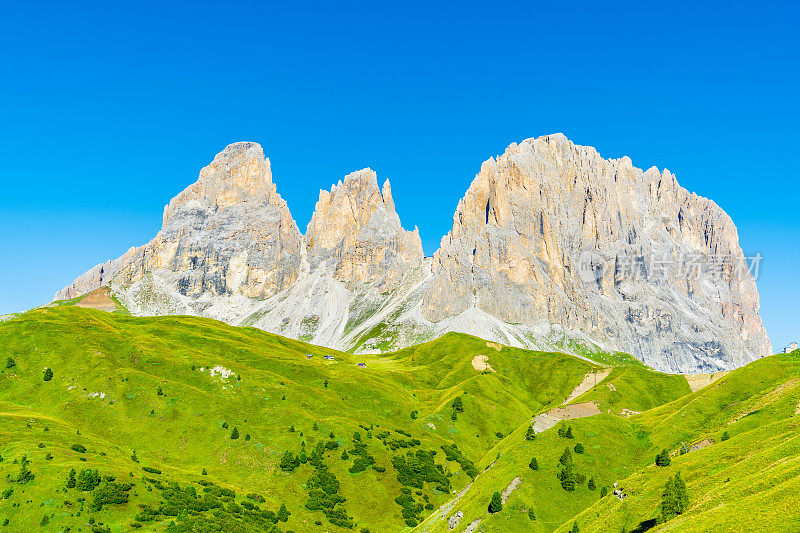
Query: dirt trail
{"points": [[511, 488], [590, 380], [540, 423], [700, 445], [546, 420], [698, 381], [444, 509], [473, 526]]}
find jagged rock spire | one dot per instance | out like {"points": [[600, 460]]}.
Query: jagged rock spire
{"points": [[356, 227]]}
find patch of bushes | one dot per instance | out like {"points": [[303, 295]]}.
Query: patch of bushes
{"points": [[206, 513], [289, 461], [496, 504], [452, 453], [24, 475], [416, 468], [410, 510], [88, 479], [109, 493], [323, 492]]}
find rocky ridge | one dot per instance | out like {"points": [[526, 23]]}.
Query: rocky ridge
{"points": [[514, 268]]}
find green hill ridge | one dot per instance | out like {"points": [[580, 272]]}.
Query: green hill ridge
{"points": [[195, 425]]}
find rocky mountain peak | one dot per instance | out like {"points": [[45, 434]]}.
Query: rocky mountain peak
{"points": [[355, 225], [238, 174], [228, 233], [529, 216], [512, 269]]}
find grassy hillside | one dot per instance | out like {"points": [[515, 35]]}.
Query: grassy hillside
{"points": [[194, 425], [746, 482], [636, 388], [742, 473], [173, 389]]}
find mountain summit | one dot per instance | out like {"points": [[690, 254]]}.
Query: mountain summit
{"points": [[552, 247]]}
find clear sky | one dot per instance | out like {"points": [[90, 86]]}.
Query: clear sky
{"points": [[108, 109]]}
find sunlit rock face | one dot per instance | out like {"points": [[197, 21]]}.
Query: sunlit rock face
{"points": [[228, 233], [522, 231], [356, 229], [552, 247]]}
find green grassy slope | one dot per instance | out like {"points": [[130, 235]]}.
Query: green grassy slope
{"points": [[636, 388], [108, 369], [747, 482]]}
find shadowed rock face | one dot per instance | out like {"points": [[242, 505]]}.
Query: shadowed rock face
{"points": [[517, 242], [513, 269]]}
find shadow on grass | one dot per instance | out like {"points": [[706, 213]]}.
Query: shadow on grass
{"points": [[645, 525]]}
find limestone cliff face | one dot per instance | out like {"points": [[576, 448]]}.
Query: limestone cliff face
{"points": [[356, 228], [228, 233], [527, 221], [551, 245]]}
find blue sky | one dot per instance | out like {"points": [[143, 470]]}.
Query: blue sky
{"points": [[108, 111]]}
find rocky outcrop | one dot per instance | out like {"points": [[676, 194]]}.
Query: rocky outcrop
{"points": [[552, 247], [228, 233], [356, 228], [546, 213]]}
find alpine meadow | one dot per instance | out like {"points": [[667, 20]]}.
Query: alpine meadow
{"points": [[274, 267]]}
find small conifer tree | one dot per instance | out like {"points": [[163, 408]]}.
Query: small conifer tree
{"points": [[674, 499], [283, 513], [663, 458], [530, 434], [566, 457], [496, 504], [458, 405]]}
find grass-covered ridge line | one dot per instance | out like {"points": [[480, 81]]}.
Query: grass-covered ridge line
{"points": [[169, 393], [742, 473], [188, 424]]}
